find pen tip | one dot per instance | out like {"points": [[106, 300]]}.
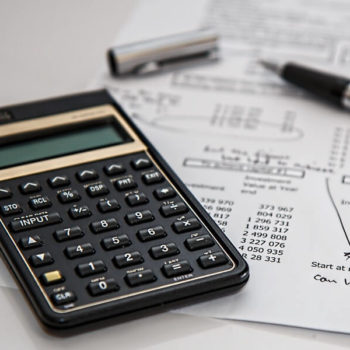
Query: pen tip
{"points": [[270, 65]]}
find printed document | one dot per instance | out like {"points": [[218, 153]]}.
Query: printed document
{"points": [[268, 162]]}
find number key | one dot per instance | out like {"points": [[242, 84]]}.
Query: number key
{"points": [[102, 287], [115, 242], [79, 250], [139, 217], [151, 233], [164, 250], [91, 268], [104, 225], [128, 259], [68, 233]]}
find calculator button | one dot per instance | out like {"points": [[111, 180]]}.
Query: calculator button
{"points": [[128, 259], [164, 193], [68, 196], [199, 242], [41, 259], [102, 287], [141, 163], [91, 268], [23, 224], [86, 175], [30, 242], [40, 202], [152, 178], [107, 205], [151, 233], [164, 250], [118, 241], [176, 269], [58, 181], [104, 225], [5, 192], [126, 183], [135, 199], [10, 209], [61, 298], [173, 209], [211, 260], [97, 190], [114, 169], [30, 187], [186, 225], [78, 212], [68, 233], [78, 251], [52, 277], [139, 217], [136, 278]]}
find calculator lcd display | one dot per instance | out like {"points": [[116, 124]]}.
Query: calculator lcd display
{"points": [[59, 143]]}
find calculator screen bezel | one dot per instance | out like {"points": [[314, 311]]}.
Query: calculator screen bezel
{"points": [[14, 131], [25, 139]]}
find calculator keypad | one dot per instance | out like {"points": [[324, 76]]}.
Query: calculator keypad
{"points": [[107, 229]]}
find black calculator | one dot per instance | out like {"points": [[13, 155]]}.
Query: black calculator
{"points": [[94, 222]]}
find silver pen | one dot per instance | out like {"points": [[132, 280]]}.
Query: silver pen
{"points": [[165, 53]]}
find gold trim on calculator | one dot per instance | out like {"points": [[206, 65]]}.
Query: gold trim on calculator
{"points": [[136, 145]]}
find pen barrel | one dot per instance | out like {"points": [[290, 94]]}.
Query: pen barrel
{"points": [[325, 85]]}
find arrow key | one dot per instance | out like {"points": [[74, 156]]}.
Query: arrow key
{"points": [[141, 163], [30, 242], [30, 187], [41, 259], [164, 193], [87, 174], [58, 181], [5, 192], [114, 169]]}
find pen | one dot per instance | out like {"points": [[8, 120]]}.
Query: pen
{"points": [[330, 87]]}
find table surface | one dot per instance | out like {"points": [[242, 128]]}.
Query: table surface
{"points": [[55, 48]]}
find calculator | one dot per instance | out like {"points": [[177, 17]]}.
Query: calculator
{"points": [[93, 221]]}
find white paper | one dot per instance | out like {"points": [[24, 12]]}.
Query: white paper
{"points": [[270, 164]]}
